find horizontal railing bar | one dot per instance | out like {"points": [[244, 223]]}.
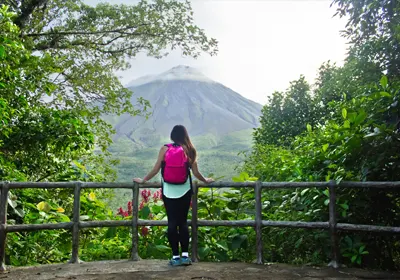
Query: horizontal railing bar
{"points": [[34, 227], [225, 223], [369, 228], [68, 185], [107, 223], [125, 223], [370, 184], [265, 185], [114, 185], [220, 184], [239, 223], [289, 224], [157, 223], [290, 185], [286, 185], [41, 185]]}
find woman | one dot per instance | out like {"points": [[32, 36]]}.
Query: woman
{"points": [[175, 160]]}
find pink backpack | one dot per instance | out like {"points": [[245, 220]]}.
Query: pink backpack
{"points": [[175, 167]]}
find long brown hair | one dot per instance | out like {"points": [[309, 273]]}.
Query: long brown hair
{"points": [[181, 137]]}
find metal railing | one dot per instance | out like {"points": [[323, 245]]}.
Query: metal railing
{"points": [[258, 223]]}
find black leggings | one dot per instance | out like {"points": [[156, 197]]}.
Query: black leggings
{"points": [[177, 214]]}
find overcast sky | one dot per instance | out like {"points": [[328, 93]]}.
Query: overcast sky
{"points": [[263, 44]]}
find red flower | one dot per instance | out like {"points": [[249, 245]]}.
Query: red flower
{"points": [[130, 207], [145, 231], [122, 212], [157, 195], [141, 205], [145, 195]]}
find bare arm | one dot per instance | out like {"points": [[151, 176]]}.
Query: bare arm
{"points": [[156, 168], [198, 175]]}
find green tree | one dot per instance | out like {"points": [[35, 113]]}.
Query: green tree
{"points": [[356, 130], [38, 141], [374, 33], [286, 115], [64, 71]]}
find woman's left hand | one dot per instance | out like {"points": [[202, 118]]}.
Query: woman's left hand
{"points": [[138, 180]]}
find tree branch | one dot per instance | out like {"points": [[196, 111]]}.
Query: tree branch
{"points": [[68, 33], [53, 44], [121, 50], [48, 174], [27, 8], [12, 3]]}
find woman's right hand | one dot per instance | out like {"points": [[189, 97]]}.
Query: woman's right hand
{"points": [[209, 180]]}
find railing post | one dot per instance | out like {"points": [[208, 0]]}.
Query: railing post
{"points": [[195, 237], [135, 218], [75, 220], [259, 242], [332, 226], [3, 224]]}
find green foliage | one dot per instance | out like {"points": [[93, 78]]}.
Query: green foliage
{"points": [[43, 246], [39, 142], [286, 115], [355, 143], [373, 30], [351, 136], [354, 250], [57, 76]]}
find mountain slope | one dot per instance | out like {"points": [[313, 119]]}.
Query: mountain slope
{"points": [[183, 95]]}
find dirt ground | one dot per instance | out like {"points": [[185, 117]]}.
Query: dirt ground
{"points": [[158, 269]]}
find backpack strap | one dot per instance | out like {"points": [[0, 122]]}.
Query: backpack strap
{"points": [[172, 145], [189, 171], [191, 183], [163, 162], [163, 167]]}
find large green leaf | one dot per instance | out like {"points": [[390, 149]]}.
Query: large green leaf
{"points": [[163, 248], [2, 52], [384, 81], [144, 213], [238, 240], [344, 113], [360, 117], [204, 252], [111, 232], [222, 245]]}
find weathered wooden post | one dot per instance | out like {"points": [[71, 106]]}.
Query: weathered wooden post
{"points": [[135, 218], [76, 220], [332, 226], [3, 224], [258, 221], [195, 255]]}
